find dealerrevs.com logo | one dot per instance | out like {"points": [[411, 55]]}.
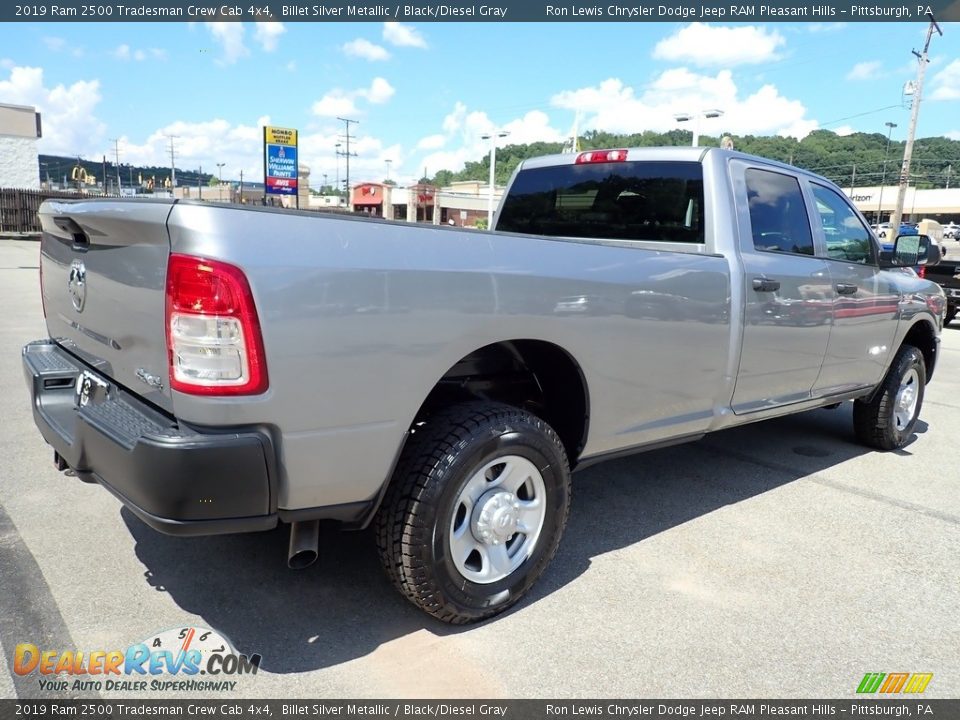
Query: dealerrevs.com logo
{"points": [[191, 659]]}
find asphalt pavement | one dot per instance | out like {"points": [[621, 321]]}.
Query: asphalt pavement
{"points": [[774, 560]]}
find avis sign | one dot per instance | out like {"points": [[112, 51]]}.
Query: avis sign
{"points": [[280, 160]]}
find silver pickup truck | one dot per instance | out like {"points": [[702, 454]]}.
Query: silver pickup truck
{"points": [[223, 369]]}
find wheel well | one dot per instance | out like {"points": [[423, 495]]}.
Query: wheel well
{"points": [[922, 337], [537, 376]]}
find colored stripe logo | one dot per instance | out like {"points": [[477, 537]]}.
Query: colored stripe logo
{"points": [[894, 683]]}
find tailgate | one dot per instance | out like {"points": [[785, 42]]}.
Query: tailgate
{"points": [[103, 264]]}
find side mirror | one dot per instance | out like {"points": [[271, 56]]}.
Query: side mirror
{"points": [[911, 251]]}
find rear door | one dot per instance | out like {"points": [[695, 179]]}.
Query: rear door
{"points": [[865, 301], [788, 294], [103, 267]]}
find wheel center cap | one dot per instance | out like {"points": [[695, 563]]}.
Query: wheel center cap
{"points": [[495, 517]]}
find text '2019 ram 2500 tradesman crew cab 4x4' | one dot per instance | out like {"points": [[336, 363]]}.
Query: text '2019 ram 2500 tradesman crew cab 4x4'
{"points": [[225, 369]]}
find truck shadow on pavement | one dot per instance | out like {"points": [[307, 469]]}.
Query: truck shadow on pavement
{"points": [[343, 608]]}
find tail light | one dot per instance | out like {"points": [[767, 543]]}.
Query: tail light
{"points": [[922, 272], [213, 334], [601, 156]]}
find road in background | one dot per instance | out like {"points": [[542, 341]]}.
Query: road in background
{"points": [[776, 560]]}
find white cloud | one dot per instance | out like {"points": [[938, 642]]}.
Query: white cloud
{"points": [[54, 44], [69, 124], [229, 36], [333, 104], [380, 91], [124, 52], [7, 63], [267, 34], [616, 107], [432, 142], [866, 70], [338, 102], [365, 49], [403, 35], [946, 83], [462, 136], [844, 130], [953, 135], [704, 45]]}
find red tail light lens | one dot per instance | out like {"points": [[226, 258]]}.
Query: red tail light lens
{"points": [[922, 272], [214, 340], [601, 156]]}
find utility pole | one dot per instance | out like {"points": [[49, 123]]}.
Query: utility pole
{"points": [[116, 156], [949, 173], [173, 169], [853, 179], [923, 61], [241, 186], [104, 174], [347, 153], [200, 184]]}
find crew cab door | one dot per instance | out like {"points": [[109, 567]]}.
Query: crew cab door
{"points": [[865, 300], [787, 294]]}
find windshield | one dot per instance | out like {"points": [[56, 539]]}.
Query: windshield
{"points": [[660, 201]]}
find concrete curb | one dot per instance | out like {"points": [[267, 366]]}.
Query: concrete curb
{"points": [[20, 236]]}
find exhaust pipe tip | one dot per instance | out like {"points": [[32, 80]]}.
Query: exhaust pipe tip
{"points": [[304, 544]]}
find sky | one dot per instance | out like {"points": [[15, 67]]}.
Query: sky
{"points": [[425, 93]]}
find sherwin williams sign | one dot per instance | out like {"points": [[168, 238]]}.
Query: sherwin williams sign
{"points": [[280, 160]]}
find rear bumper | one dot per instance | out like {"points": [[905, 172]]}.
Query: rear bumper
{"points": [[179, 480]]}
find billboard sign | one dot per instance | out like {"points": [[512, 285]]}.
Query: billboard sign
{"points": [[280, 166]]}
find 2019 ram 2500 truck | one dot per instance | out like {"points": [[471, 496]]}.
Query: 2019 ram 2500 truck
{"points": [[224, 369]]}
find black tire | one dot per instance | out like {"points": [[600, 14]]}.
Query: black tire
{"points": [[875, 422], [439, 459], [951, 314]]}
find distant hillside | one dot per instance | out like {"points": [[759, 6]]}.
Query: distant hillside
{"points": [[59, 166], [849, 159]]}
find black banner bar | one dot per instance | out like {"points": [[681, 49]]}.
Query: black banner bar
{"points": [[460, 11], [483, 709]]}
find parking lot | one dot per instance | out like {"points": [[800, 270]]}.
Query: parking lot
{"points": [[774, 560]]}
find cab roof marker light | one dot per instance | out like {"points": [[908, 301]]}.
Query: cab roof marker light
{"points": [[601, 156]]}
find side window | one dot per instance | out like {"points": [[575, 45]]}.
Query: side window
{"points": [[847, 238], [778, 216]]}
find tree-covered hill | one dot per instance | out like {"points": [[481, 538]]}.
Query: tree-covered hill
{"points": [[856, 159]]}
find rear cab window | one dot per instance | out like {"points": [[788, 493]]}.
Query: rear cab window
{"points": [[636, 201], [778, 215]]}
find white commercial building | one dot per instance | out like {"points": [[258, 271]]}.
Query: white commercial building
{"points": [[19, 159], [942, 205]]}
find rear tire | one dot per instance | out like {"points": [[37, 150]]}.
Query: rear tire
{"points": [[475, 510], [886, 422], [951, 314]]}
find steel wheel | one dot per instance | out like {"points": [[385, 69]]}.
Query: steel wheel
{"points": [[905, 403], [498, 518]]}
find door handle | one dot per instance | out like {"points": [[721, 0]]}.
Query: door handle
{"points": [[765, 285], [846, 289]]}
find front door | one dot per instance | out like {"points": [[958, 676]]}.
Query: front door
{"points": [[788, 293], [865, 301]]}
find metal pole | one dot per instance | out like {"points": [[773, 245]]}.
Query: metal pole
{"points": [[493, 160], [923, 60], [200, 184]]}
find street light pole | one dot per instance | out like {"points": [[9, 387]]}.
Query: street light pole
{"points": [[883, 177], [220, 181], [696, 117], [492, 137]]}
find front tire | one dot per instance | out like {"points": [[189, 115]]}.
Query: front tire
{"points": [[475, 511], [886, 422]]}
